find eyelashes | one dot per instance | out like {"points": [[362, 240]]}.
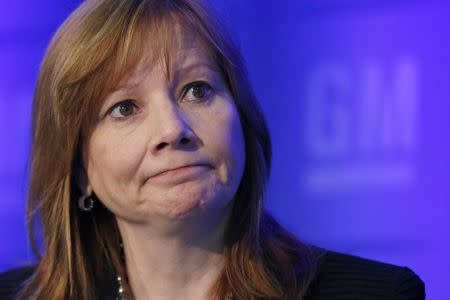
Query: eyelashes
{"points": [[123, 109], [197, 91]]}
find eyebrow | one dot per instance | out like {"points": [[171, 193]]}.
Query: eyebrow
{"points": [[184, 70], [125, 87], [192, 68]]}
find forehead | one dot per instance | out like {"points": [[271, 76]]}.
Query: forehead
{"points": [[181, 49]]}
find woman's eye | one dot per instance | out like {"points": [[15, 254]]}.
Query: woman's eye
{"points": [[123, 109], [197, 91]]}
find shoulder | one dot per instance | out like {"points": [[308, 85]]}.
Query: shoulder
{"points": [[11, 281], [342, 276]]}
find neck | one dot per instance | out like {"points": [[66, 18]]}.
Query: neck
{"points": [[180, 262]]}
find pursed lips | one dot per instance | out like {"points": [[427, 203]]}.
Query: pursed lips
{"points": [[165, 171]]}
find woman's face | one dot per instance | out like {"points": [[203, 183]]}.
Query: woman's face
{"points": [[167, 147]]}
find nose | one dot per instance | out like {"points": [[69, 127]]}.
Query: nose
{"points": [[172, 129]]}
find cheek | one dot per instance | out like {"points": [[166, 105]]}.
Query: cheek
{"points": [[112, 159], [226, 142], [237, 147]]}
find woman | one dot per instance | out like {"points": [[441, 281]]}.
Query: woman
{"points": [[150, 160]]}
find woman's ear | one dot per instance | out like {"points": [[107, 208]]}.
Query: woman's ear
{"points": [[82, 181]]}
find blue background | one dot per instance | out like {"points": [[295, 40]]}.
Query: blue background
{"points": [[357, 98]]}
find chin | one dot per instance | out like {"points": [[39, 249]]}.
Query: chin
{"points": [[182, 208], [192, 206]]}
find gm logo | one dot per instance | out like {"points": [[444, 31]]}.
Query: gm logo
{"points": [[360, 127]]}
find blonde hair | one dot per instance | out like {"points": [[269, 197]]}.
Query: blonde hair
{"points": [[99, 44]]}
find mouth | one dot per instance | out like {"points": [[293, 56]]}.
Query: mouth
{"points": [[181, 173], [177, 169]]}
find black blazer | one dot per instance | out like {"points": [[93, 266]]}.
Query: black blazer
{"points": [[340, 277]]}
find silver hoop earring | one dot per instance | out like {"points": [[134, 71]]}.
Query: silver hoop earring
{"points": [[86, 203]]}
